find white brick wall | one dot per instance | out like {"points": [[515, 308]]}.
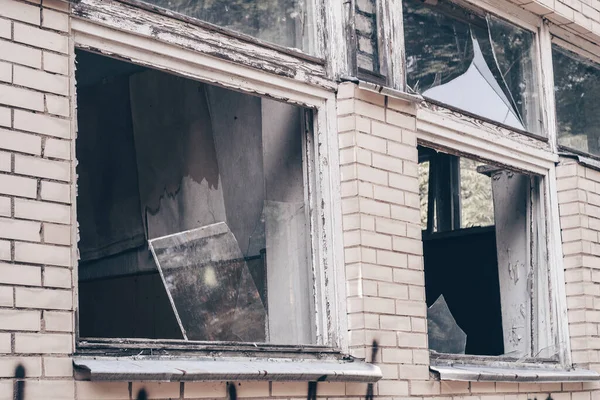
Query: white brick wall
{"points": [[36, 297]]}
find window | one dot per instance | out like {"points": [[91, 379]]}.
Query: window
{"points": [[193, 210], [484, 259], [576, 88], [289, 23], [472, 61]]}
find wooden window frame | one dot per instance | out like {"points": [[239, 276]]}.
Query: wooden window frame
{"points": [[100, 32]]}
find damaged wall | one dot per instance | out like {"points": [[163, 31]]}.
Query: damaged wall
{"points": [[383, 251]]}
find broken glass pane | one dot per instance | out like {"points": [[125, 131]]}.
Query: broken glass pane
{"points": [[283, 22], [210, 286], [576, 88], [444, 334], [472, 61]]}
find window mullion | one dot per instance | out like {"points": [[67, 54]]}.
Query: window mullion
{"points": [[547, 79], [393, 43]]}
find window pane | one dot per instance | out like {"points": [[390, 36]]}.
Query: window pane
{"points": [[472, 61], [214, 180], [577, 88], [287, 23], [480, 257]]}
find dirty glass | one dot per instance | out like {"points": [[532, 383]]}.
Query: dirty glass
{"points": [[576, 88], [287, 23], [472, 61]]}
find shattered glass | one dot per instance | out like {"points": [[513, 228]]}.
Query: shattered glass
{"points": [[576, 85], [210, 285], [444, 334], [283, 22], [472, 61]]}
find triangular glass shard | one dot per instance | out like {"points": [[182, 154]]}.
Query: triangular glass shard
{"points": [[444, 334]]}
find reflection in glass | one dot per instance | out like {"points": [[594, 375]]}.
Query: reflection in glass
{"points": [[284, 22], [472, 61], [576, 88]]}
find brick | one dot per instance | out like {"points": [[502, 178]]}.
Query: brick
{"points": [[392, 388], [392, 290], [386, 131], [57, 234], [57, 277], [6, 296], [201, 390], [411, 308], [21, 142], [42, 211], [49, 299], [43, 343], [40, 38], [58, 367], [5, 117], [19, 54], [56, 63], [6, 72], [252, 389], [56, 148], [5, 250], [44, 124], [5, 344], [396, 323], [5, 28], [20, 11], [20, 230], [32, 365], [58, 321], [18, 186], [102, 390], [38, 167], [292, 389], [5, 161], [50, 390], [40, 80], [55, 20], [402, 120], [157, 390], [42, 254], [19, 97], [14, 274], [19, 320], [369, 110], [59, 192], [57, 105]]}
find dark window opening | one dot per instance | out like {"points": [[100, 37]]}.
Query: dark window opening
{"points": [[192, 209], [479, 264]]}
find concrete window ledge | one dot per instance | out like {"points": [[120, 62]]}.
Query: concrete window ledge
{"points": [[478, 373], [229, 369]]}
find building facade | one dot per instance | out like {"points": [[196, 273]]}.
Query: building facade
{"points": [[297, 199]]}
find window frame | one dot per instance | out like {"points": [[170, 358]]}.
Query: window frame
{"points": [[520, 18], [584, 49], [454, 133], [325, 201]]}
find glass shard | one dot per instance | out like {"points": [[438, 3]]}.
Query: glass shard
{"points": [[445, 336], [472, 61], [210, 286]]}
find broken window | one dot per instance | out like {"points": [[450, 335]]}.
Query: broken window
{"points": [[192, 209], [366, 22], [288, 23], [483, 262], [576, 88], [473, 61]]}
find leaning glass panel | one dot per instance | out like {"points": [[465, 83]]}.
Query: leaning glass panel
{"points": [[288, 23], [192, 207], [472, 61], [576, 88]]}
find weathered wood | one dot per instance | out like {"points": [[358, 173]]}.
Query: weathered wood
{"points": [[205, 39]]}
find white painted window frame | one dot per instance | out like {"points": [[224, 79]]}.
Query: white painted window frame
{"points": [[451, 131], [583, 48], [139, 46], [461, 134]]}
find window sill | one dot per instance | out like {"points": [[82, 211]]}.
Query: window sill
{"points": [[478, 373], [223, 369]]}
